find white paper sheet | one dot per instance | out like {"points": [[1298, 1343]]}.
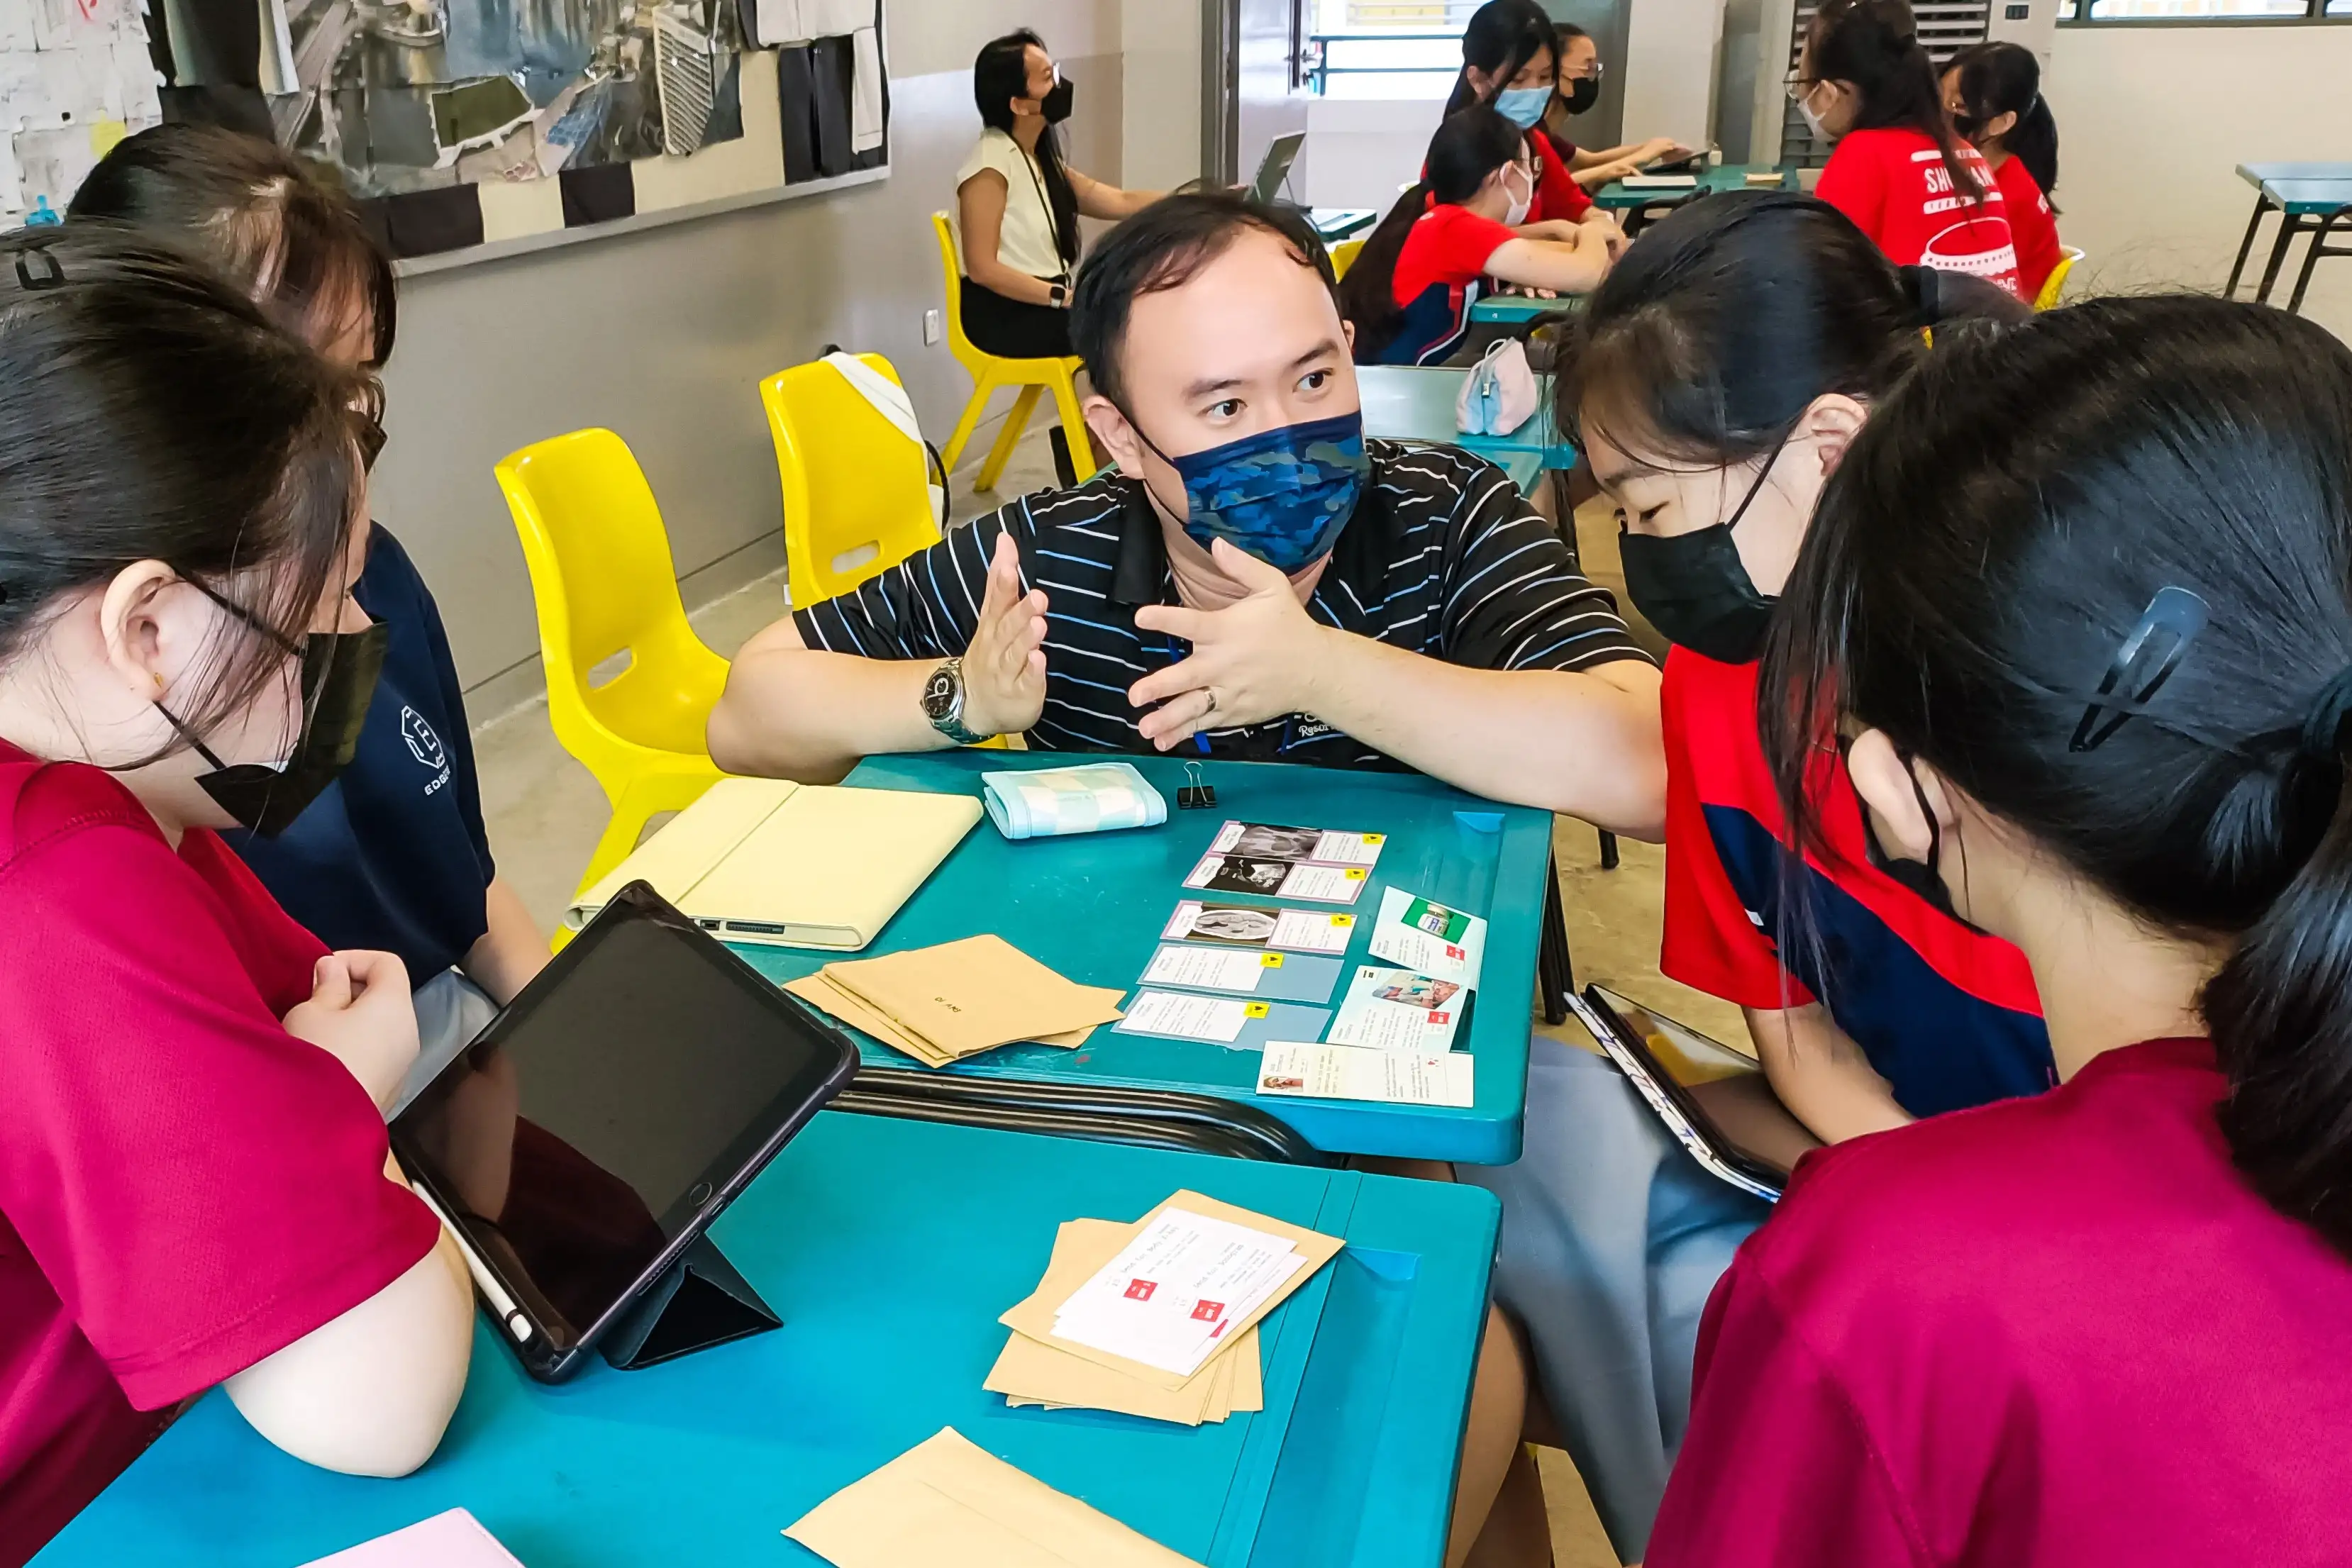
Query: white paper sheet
{"points": [[1310, 1072]]}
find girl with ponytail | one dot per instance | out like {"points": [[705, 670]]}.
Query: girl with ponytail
{"points": [[2077, 608], [1727, 363], [1994, 93], [1864, 83]]}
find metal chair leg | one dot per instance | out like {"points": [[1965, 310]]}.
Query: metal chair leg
{"points": [[2311, 257], [1608, 850], [2289, 226], [1555, 970], [2245, 247]]}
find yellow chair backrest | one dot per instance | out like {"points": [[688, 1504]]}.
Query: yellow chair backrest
{"points": [[605, 585], [1343, 256], [856, 492], [2057, 281], [951, 267]]}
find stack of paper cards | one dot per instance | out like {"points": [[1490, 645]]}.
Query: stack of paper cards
{"points": [[941, 1003], [1396, 1010], [1033, 1372], [1170, 1307], [1309, 1071], [1429, 938], [1048, 802], [1312, 864], [451, 1539], [1254, 926], [947, 1501]]}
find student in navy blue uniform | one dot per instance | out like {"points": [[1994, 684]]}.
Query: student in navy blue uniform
{"points": [[393, 856], [1410, 292]]}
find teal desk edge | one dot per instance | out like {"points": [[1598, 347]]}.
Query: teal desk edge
{"points": [[889, 1248], [1092, 905]]}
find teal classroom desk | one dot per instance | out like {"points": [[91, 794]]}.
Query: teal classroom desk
{"points": [[1518, 309], [1416, 403], [2309, 198], [1092, 906], [1618, 197], [889, 1248]]}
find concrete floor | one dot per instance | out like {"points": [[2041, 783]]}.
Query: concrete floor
{"points": [[544, 813]]}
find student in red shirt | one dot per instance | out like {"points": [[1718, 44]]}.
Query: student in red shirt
{"points": [[1924, 195], [1730, 361], [1408, 297], [1510, 62], [1578, 90], [195, 1183], [1993, 93], [2113, 1324]]}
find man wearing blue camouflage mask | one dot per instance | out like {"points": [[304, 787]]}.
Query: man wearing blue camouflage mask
{"points": [[1258, 580]]}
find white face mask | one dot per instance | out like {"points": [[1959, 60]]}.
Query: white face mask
{"points": [[1812, 120], [1518, 212]]}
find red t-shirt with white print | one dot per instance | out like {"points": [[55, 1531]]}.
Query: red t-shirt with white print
{"points": [[1894, 185]]}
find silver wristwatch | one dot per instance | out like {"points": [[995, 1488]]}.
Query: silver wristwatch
{"points": [[944, 697]]}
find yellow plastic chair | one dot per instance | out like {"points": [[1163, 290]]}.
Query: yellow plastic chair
{"points": [[602, 573], [858, 497], [1343, 256], [2052, 284], [990, 372]]}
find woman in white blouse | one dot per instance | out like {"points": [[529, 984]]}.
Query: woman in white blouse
{"points": [[1018, 203]]}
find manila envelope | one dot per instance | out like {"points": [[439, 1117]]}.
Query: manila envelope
{"points": [[1030, 1373], [947, 1501], [1034, 1316], [964, 997], [824, 995]]}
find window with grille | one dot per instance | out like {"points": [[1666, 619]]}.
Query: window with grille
{"points": [[1384, 48]]}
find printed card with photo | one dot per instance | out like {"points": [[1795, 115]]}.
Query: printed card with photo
{"points": [[1252, 926], [1429, 938], [1268, 841], [1396, 1010], [1316, 882]]}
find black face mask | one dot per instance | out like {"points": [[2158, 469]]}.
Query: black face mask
{"points": [[1924, 879], [1056, 103], [1581, 94], [1693, 590], [340, 670]]}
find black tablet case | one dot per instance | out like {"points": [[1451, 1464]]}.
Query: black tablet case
{"points": [[700, 1301]]}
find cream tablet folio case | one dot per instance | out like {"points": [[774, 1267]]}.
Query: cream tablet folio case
{"points": [[763, 860]]}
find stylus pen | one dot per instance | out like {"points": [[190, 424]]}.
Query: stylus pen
{"points": [[500, 1303]]}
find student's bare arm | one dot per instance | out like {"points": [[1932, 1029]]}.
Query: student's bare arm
{"points": [[371, 1392], [1096, 200], [1821, 1076]]}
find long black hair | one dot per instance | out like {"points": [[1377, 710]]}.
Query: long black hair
{"points": [[1979, 563], [150, 412], [1469, 145], [281, 227], [1709, 339], [2005, 79], [1500, 38], [999, 75], [1875, 45]]}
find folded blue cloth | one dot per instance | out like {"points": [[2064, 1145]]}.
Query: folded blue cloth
{"points": [[1050, 801]]}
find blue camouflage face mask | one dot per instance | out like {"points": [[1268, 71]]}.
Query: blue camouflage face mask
{"points": [[1282, 495], [1523, 106]]}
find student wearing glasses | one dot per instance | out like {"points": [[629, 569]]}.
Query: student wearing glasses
{"points": [[1578, 91]]}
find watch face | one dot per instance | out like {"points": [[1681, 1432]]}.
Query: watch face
{"points": [[938, 694]]}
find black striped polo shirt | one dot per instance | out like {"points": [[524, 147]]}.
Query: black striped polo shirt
{"points": [[1443, 556]]}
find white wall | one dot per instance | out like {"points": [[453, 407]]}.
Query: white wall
{"points": [[1160, 61], [663, 336], [1358, 151], [2155, 207], [1669, 71]]}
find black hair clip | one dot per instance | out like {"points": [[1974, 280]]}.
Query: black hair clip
{"points": [[50, 274], [1197, 793], [2150, 652]]}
